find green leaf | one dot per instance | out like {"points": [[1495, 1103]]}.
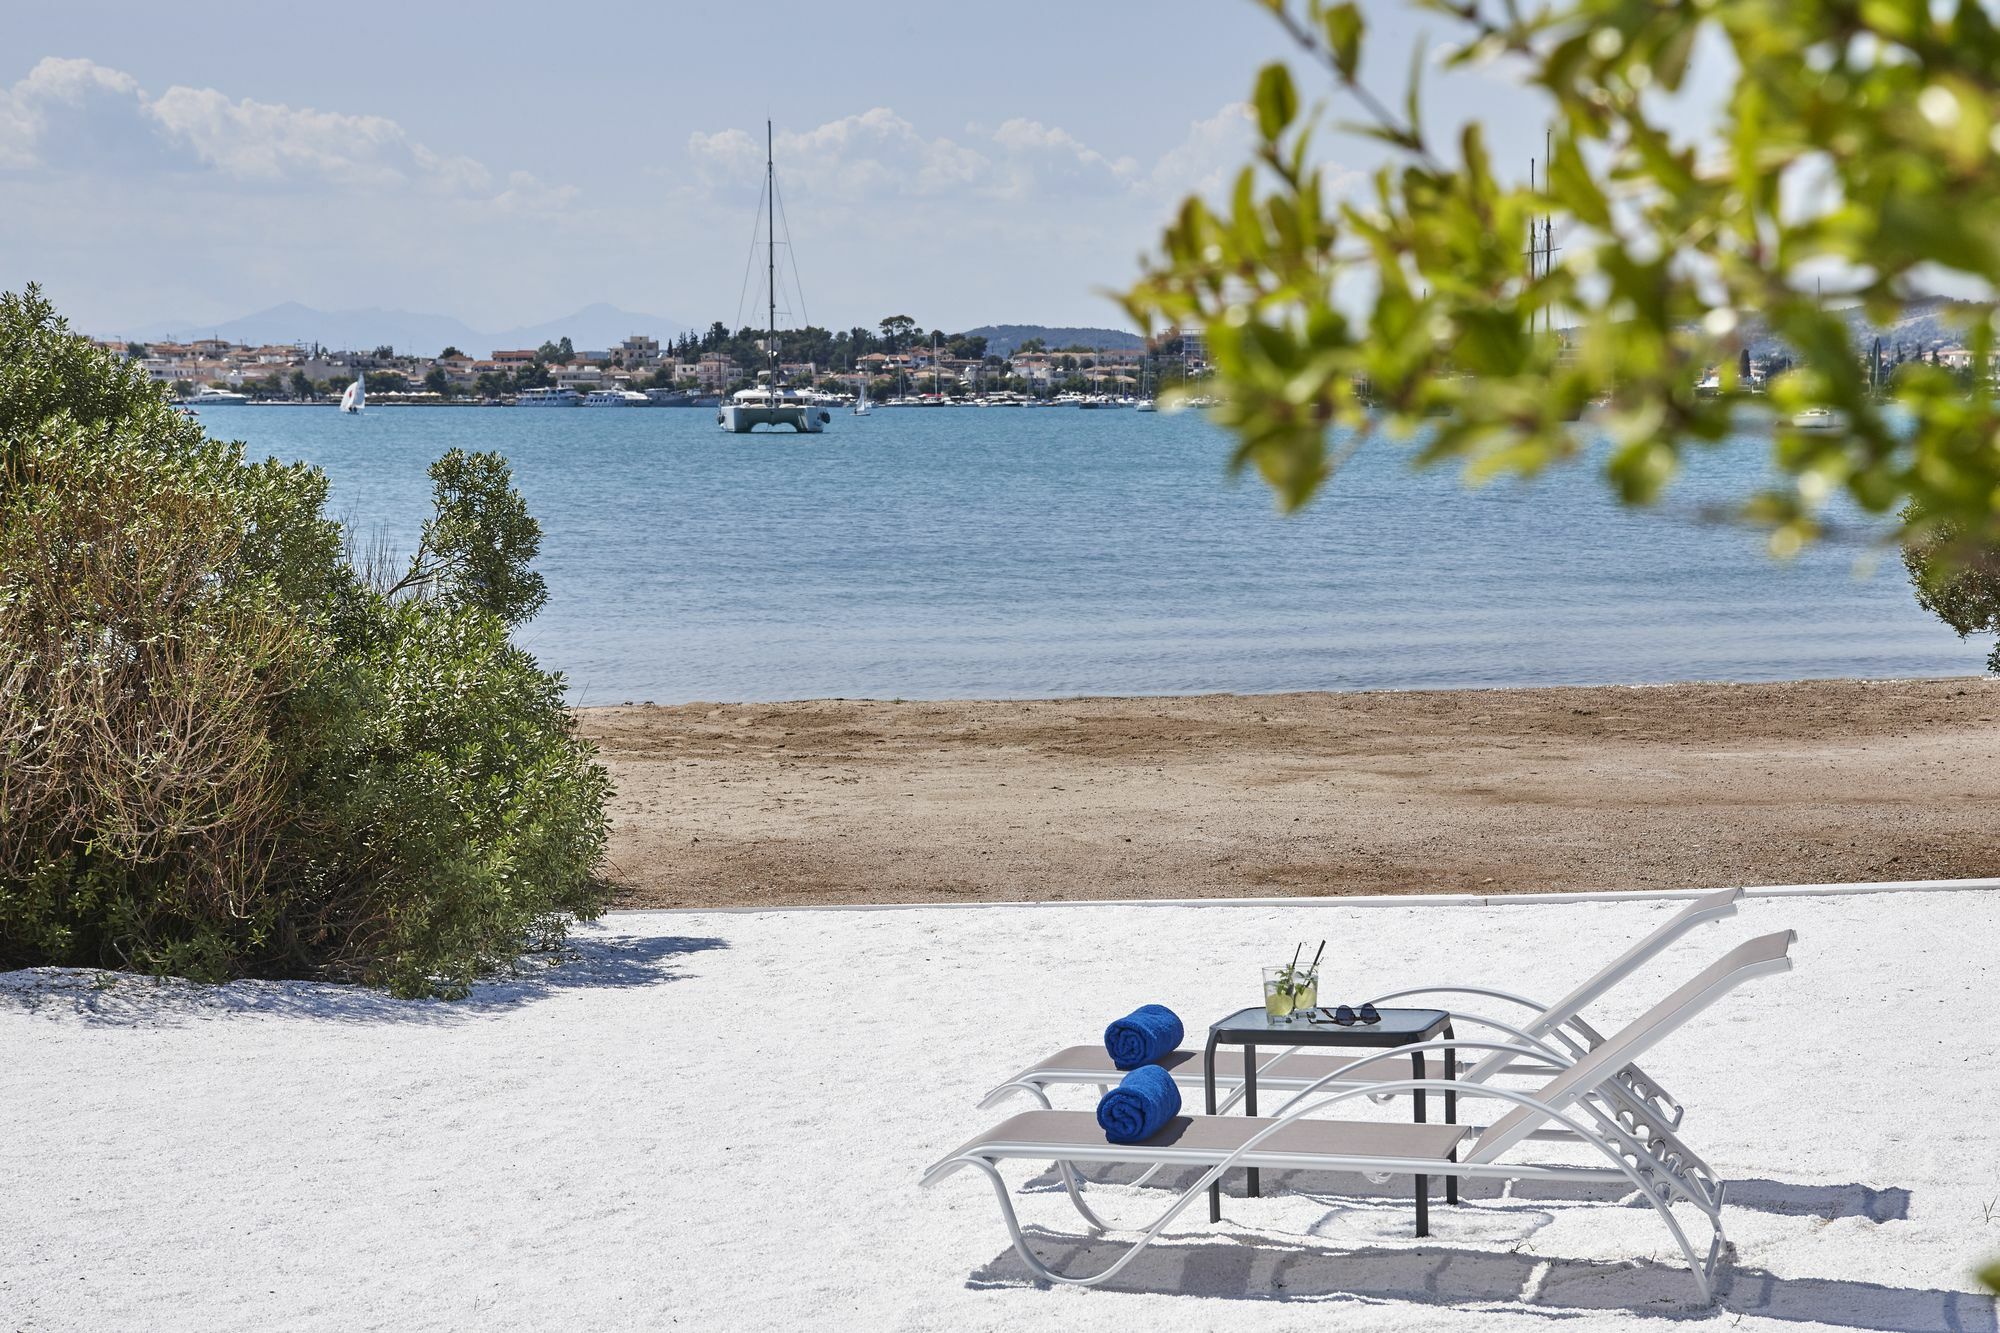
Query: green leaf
{"points": [[1277, 101], [1343, 26]]}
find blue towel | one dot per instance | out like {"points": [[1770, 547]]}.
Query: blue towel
{"points": [[1140, 1106], [1145, 1036]]}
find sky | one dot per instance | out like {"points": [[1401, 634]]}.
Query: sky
{"points": [[508, 163]]}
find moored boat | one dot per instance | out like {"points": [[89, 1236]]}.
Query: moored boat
{"points": [[770, 403]]}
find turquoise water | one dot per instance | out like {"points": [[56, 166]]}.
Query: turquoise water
{"points": [[953, 553]]}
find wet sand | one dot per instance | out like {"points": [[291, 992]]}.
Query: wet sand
{"points": [[837, 801]]}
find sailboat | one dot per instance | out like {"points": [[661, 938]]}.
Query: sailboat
{"points": [[768, 404], [861, 402], [355, 396]]}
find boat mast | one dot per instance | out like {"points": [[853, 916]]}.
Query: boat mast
{"points": [[771, 265]]}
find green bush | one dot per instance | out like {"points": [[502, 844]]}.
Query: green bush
{"points": [[224, 750], [1956, 580]]}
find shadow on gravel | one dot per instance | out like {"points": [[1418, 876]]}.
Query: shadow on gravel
{"points": [[118, 999], [1253, 1268]]}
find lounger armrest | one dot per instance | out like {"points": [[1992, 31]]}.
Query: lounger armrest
{"points": [[1486, 991], [1526, 1042], [949, 1166]]}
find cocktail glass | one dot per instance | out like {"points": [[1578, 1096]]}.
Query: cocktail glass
{"points": [[1305, 992], [1289, 990]]}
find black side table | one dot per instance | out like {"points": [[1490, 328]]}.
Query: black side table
{"points": [[1251, 1028]]}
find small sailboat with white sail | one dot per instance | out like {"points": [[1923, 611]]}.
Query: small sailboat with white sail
{"points": [[861, 402], [355, 396]]}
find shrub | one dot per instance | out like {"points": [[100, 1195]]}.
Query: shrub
{"points": [[1955, 579], [224, 751]]}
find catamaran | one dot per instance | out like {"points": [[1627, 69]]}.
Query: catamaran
{"points": [[355, 396], [771, 404]]}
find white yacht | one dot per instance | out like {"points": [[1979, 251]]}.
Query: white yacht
{"points": [[546, 398], [1818, 418], [770, 403], [206, 396], [748, 409], [355, 396], [614, 398]]}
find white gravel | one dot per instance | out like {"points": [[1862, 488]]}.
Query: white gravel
{"points": [[719, 1121]]}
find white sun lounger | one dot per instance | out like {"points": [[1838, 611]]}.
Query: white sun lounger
{"points": [[1549, 1037], [1641, 1150]]}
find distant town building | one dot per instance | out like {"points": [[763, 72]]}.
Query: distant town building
{"points": [[637, 352], [715, 371]]}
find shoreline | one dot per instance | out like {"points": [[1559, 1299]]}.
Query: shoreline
{"points": [[1315, 794]]}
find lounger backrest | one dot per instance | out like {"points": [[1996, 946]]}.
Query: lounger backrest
{"points": [[1756, 958], [1708, 907]]}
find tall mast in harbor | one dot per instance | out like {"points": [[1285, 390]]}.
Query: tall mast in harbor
{"points": [[771, 265]]}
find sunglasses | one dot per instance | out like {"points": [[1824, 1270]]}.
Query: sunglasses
{"points": [[1343, 1016]]}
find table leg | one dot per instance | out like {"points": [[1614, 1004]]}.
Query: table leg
{"points": [[1256, 1188], [1208, 1083], [1423, 1182], [1451, 1112]]}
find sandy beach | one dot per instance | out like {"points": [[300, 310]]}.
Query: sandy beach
{"points": [[626, 1141], [829, 801]]}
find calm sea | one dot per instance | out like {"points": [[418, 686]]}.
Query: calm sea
{"points": [[955, 553]]}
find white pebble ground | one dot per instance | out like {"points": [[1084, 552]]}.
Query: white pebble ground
{"points": [[718, 1121]]}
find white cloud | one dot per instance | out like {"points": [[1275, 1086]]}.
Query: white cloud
{"points": [[1042, 159], [878, 154], [268, 143], [525, 193], [76, 115], [1209, 156], [75, 111], [871, 155]]}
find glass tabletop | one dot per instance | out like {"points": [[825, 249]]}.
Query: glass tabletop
{"points": [[1399, 1027]]}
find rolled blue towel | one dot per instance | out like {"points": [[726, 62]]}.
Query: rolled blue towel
{"points": [[1140, 1106], [1148, 1034]]}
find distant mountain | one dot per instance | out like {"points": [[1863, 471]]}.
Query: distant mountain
{"points": [[1920, 324], [593, 328], [1005, 339], [425, 335]]}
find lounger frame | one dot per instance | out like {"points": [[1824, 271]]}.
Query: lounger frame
{"points": [[1585, 1103], [1552, 1040]]}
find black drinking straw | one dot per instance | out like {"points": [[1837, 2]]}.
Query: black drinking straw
{"points": [[1293, 970], [1315, 962]]}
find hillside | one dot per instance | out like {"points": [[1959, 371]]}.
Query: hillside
{"points": [[595, 327], [1005, 339], [1920, 325]]}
